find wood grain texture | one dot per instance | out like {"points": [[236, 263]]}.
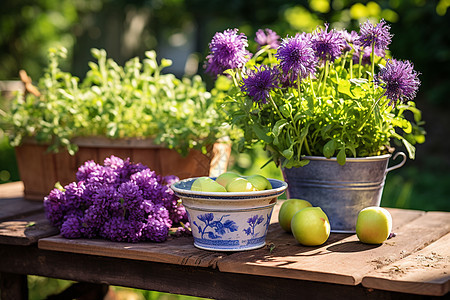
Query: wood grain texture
{"points": [[40, 170], [426, 272], [177, 279], [415, 261], [180, 251], [25, 231], [13, 206], [342, 259]]}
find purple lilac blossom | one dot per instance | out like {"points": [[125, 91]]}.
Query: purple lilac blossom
{"points": [[399, 80], [119, 200], [86, 169], [328, 46], [378, 35], [54, 205], [71, 227], [296, 57], [227, 51], [260, 82], [267, 37]]}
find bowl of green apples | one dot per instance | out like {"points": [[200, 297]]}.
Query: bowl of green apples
{"points": [[229, 212]]}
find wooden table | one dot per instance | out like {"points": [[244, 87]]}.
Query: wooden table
{"points": [[413, 264]]}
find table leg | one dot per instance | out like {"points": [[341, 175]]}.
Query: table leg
{"points": [[13, 286]]}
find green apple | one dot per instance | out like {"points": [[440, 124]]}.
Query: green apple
{"points": [[373, 225], [225, 178], [310, 226], [259, 182], [240, 184], [206, 184], [288, 210]]}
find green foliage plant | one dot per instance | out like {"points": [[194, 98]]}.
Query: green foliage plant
{"points": [[136, 100], [344, 108]]}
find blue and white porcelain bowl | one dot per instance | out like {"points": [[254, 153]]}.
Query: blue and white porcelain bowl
{"points": [[229, 221]]}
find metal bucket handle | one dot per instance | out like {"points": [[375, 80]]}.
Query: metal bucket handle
{"points": [[398, 165]]}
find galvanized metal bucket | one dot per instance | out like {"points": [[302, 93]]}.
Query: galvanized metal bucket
{"points": [[341, 191]]}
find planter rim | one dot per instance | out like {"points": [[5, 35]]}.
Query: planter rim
{"points": [[105, 142], [350, 159]]}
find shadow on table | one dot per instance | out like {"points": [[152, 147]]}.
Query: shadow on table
{"points": [[352, 246]]}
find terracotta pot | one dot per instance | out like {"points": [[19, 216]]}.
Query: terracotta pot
{"points": [[40, 170]]}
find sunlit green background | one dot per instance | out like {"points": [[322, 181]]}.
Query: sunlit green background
{"points": [[181, 30]]}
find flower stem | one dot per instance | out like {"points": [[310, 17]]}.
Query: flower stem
{"points": [[370, 112], [361, 54], [372, 58], [322, 89], [351, 68], [275, 106]]}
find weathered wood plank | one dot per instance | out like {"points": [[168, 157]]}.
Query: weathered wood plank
{"points": [[25, 231], [177, 279], [180, 250], [426, 272], [12, 203], [342, 259]]}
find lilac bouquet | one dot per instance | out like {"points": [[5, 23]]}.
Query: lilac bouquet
{"points": [[326, 93], [118, 201]]}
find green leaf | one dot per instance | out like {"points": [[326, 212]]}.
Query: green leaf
{"points": [[279, 126], [262, 133], [344, 88], [329, 148], [288, 153], [410, 148], [286, 110], [341, 157]]}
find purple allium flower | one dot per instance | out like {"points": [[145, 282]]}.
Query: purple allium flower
{"points": [[227, 51], [267, 37], [296, 57], [260, 82], [328, 45], [400, 81], [378, 35]]}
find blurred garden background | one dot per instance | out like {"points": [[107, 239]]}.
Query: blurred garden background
{"points": [[181, 29]]}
